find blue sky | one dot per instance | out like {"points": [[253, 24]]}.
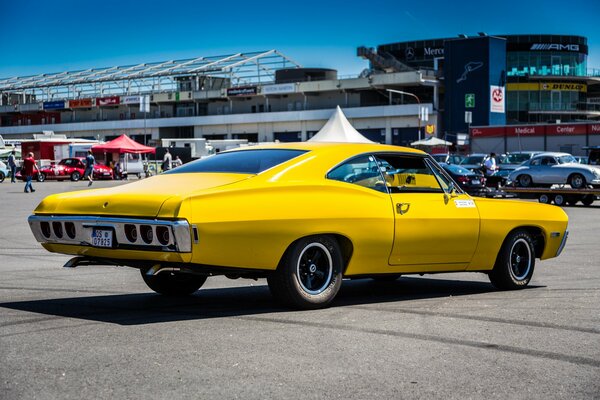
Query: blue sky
{"points": [[53, 36]]}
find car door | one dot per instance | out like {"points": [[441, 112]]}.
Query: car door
{"points": [[436, 224]]}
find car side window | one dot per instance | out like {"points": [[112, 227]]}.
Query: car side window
{"points": [[362, 171], [407, 173], [535, 162], [548, 161]]}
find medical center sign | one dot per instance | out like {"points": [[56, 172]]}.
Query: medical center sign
{"points": [[497, 99]]}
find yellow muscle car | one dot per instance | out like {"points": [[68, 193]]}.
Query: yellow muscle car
{"points": [[304, 216]]}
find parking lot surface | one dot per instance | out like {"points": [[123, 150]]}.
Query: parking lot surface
{"points": [[99, 332]]}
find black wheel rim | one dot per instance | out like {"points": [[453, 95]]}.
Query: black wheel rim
{"points": [[314, 268], [520, 259]]}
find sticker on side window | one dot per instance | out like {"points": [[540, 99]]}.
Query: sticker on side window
{"points": [[464, 203]]}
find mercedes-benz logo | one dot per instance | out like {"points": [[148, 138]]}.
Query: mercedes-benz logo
{"points": [[409, 52]]}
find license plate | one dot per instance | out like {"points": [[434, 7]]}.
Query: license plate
{"points": [[475, 182], [102, 238], [106, 173]]}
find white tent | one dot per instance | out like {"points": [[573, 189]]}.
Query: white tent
{"points": [[339, 130], [432, 141]]}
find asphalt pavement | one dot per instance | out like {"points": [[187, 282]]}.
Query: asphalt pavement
{"points": [[98, 332]]}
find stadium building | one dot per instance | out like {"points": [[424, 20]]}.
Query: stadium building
{"points": [[474, 91]]}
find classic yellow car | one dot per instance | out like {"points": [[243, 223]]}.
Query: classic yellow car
{"points": [[304, 216]]}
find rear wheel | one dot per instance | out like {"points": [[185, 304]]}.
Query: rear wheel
{"points": [[41, 177], [310, 273], [515, 262], [587, 200], [559, 200], [524, 180], [544, 198], [173, 283], [577, 181], [2, 177], [75, 176]]}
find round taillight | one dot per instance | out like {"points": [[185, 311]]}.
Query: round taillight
{"points": [[131, 232], [45, 226], [147, 234], [162, 234], [58, 230], [70, 229]]}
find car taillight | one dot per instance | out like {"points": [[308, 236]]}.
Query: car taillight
{"points": [[463, 179]]}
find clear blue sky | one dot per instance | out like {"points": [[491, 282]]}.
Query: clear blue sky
{"points": [[53, 36]]}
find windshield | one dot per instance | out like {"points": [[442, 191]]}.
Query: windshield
{"points": [[242, 162], [568, 159], [472, 160], [514, 158], [457, 170]]}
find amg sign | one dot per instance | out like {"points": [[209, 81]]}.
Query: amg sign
{"points": [[554, 47]]}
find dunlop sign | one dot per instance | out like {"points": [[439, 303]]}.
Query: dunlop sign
{"points": [[574, 87]]}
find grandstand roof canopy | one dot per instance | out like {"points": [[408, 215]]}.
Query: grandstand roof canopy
{"points": [[241, 68]]}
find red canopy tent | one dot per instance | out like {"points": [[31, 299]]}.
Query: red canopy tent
{"points": [[123, 144]]}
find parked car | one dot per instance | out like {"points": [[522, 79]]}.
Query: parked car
{"points": [[303, 216], [70, 168], [448, 158], [593, 155], [474, 162], [547, 169], [582, 159], [3, 171], [471, 182]]}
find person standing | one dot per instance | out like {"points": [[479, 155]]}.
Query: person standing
{"points": [[89, 167], [167, 159], [29, 168], [177, 162], [12, 164], [490, 165]]}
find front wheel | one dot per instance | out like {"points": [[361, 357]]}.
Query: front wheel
{"points": [[310, 273], [577, 181], [173, 283], [524, 180], [515, 262], [75, 176], [41, 177]]}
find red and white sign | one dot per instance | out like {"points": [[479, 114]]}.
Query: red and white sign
{"points": [[107, 101], [563, 129], [527, 130], [594, 129], [497, 99]]}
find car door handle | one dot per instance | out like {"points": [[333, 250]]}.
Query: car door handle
{"points": [[402, 208]]}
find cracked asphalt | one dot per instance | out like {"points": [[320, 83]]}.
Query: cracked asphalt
{"points": [[98, 332]]}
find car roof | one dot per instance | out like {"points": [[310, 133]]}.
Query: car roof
{"points": [[551, 154], [335, 147]]}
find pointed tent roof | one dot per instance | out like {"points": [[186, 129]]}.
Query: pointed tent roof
{"points": [[432, 141], [338, 129], [123, 144]]}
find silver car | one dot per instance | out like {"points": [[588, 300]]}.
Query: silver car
{"points": [[547, 169]]}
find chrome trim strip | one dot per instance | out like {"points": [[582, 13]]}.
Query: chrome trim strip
{"points": [[179, 231], [562, 243]]}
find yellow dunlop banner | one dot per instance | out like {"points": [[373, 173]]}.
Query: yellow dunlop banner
{"points": [[560, 86]]}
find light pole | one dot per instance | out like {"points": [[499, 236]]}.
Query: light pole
{"points": [[418, 101]]}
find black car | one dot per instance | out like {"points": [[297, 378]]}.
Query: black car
{"points": [[471, 182]]}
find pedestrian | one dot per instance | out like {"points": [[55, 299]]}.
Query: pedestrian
{"points": [[177, 162], [28, 170], [89, 167], [12, 164], [490, 165], [167, 159]]}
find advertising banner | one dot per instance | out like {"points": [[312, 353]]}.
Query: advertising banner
{"points": [[570, 87], [242, 91], [108, 101], [497, 99], [130, 99], [54, 105], [145, 103], [487, 132], [281, 88], [80, 103]]}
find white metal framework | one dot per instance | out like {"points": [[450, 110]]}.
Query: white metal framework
{"points": [[238, 69]]}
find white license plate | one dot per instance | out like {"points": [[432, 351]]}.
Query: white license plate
{"points": [[106, 173], [475, 182], [102, 238]]}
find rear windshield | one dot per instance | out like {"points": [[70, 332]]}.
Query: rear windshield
{"points": [[472, 160], [455, 169], [242, 162]]}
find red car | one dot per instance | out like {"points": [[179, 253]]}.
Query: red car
{"points": [[71, 168]]}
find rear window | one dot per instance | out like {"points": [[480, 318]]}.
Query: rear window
{"points": [[242, 162], [455, 169]]}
